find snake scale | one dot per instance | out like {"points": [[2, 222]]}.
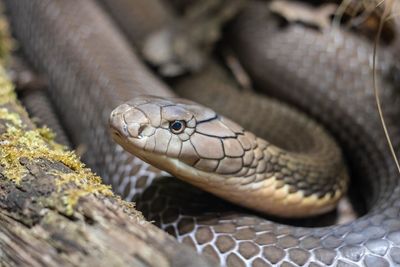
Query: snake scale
{"points": [[92, 70]]}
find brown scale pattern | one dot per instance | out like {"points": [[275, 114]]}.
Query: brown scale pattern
{"points": [[214, 144]]}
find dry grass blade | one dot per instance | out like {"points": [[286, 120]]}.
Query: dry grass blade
{"points": [[388, 10], [389, 4]]}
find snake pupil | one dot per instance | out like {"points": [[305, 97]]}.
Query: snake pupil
{"points": [[177, 126]]}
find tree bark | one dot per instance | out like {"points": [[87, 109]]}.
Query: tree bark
{"points": [[55, 212]]}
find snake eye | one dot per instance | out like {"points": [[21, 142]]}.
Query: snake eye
{"points": [[177, 127]]}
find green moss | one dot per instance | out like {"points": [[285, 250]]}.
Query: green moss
{"points": [[13, 118], [10, 155], [86, 183], [17, 143]]}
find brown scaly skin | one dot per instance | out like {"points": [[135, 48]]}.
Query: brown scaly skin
{"points": [[219, 156]]}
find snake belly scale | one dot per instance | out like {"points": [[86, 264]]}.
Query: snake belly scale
{"points": [[82, 70]]}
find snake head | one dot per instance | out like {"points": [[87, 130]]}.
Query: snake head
{"points": [[174, 133]]}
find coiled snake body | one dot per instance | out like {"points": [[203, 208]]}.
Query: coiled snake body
{"points": [[92, 70]]}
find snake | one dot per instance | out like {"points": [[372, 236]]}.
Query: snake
{"points": [[214, 153], [92, 69]]}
